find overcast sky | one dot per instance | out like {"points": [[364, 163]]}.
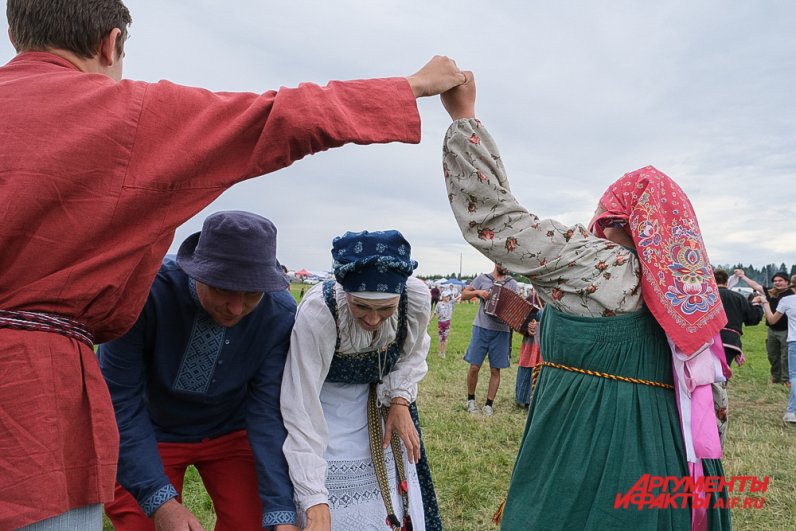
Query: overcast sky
{"points": [[575, 92]]}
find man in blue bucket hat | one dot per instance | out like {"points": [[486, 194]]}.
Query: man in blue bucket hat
{"points": [[196, 382]]}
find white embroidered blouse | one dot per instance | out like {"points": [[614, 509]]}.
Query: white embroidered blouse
{"points": [[312, 346]]}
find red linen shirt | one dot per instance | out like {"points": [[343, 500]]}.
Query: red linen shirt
{"points": [[95, 176]]}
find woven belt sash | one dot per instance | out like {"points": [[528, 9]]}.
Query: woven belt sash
{"points": [[375, 433], [595, 373], [45, 322]]}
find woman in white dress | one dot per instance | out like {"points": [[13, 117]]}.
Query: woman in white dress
{"points": [[357, 353]]}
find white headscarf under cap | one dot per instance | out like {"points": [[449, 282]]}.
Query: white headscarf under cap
{"points": [[373, 295]]}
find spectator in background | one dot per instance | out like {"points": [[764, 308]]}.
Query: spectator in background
{"points": [[739, 312], [777, 337], [444, 311], [529, 353], [435, 295], [491, 336], [787, 307]]}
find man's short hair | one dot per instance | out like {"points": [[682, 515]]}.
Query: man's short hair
{"points": [[74, 25], [721, 276]]}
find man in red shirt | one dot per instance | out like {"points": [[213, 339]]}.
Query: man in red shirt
{"points": [[96, 174]]}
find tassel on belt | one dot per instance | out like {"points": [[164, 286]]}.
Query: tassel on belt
{"points": [[45, 322]]}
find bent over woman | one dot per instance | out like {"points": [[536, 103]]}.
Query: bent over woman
{"points": [[357, 353]]}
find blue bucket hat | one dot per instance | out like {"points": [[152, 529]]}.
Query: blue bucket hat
{"points": [[235, 251], [372, 261]]}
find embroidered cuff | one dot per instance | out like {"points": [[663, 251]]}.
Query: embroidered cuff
{"points": [[279, 517], [153, 503]]}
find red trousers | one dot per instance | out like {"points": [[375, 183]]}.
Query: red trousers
{"points": [[226, 466]]}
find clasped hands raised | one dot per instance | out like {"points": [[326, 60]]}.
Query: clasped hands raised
{"points": [[456, 87]]}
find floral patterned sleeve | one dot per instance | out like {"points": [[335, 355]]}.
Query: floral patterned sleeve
{"points": [[575, 271]]}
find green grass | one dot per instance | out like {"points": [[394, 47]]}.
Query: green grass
{"points": [[472, 456]]}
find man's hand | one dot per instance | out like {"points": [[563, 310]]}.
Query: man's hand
{"points": [[532, 327], [319, 518], [400, 421], [739, 273], [460, 100], [173, 516], [286, 527], [437, 76]]}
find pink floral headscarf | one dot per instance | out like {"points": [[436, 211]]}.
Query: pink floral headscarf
{"points": [[677, 280]]}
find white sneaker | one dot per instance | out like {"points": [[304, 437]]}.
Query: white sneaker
{"points": [[487, 411], [790, 417], [442, 355], [472, 409]]}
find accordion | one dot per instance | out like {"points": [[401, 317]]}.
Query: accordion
{"points": [[510, 308]]}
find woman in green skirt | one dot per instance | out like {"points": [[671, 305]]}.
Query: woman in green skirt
{"points": [[620, 431]]}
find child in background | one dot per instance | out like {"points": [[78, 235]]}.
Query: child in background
{"points": [[444, 311], [529, 354]]}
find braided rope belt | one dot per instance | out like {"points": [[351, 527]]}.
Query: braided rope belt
{"points": [[375, 432], [45, 322], [595, 373]]}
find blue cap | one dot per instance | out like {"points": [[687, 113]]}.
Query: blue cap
{"points": [[372, 261]]}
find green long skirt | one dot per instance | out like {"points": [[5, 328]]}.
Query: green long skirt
{"points": [[589, 438]]}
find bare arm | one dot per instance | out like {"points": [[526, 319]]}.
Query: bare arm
{"points": [[399, 421], [469, 293], [771, 317], [751, 283]]}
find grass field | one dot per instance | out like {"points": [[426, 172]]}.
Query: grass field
{"points": [[472, 456]]}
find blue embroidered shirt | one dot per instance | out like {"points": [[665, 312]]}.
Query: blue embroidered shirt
{"points": [[177, 376]]}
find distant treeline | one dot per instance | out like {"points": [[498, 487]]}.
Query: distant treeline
{"points": [[763, 275], [468, 278], [434, 278]]}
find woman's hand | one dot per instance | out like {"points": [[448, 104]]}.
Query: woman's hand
{"points": [[319, 518], [400, 421], [460, 101]]}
